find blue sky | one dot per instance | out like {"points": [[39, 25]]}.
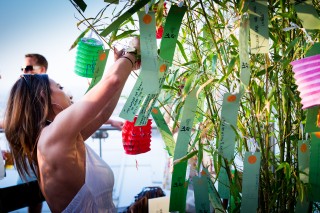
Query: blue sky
{"points": [[41, 26]]}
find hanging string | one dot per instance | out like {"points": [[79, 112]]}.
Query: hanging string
{"points": [[180, 4], [301, 128], [295, 26], [253, 145], [90, 36], [234, 87], [146, 8]]}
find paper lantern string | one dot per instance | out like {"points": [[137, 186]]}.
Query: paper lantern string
{"points": [[97, 35], [150, 4], [234, 87], [301, 128], [295, 26], [146, 8], [180, 4], [302, 133], [253, 145]]}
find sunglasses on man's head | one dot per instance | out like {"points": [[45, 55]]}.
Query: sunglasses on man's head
{"points": [[30, 68]]}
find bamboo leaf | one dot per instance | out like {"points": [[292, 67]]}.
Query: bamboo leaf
{"points": [[203, 86], [189, 63], [81, 4], [290, 46], [185, 158], [182, 50], [125, 34], [123, 17], [75, 43], [200, 156]]}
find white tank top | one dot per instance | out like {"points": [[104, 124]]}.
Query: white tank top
{"points": [[96, 193]]}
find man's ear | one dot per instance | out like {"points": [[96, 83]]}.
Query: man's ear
{"points": [[43, 70]]}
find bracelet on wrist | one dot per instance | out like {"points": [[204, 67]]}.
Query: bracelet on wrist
{"points": [[131, 50], [123, 56]]}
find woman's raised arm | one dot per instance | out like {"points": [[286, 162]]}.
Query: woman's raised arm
{"points": [[88, 114]]}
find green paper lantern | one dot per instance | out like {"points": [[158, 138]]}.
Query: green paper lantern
{"points": [[87, 55]]}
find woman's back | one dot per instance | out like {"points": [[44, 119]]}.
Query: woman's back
{"points": [[62, 170]]}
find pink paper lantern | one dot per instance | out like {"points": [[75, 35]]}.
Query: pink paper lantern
{"points": [[307, 76]]}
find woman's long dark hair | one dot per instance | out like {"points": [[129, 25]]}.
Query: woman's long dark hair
{"points": [[28, 106]]}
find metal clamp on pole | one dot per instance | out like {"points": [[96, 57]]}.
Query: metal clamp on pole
{"points": [[101, 133]]}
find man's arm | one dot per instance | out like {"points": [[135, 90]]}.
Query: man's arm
{"points": [[114, 123]]}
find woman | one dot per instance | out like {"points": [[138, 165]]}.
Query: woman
{"points": [[47, 133]]}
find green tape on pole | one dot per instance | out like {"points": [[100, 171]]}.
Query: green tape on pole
{"points": [[170, 32], [244, 50], [307, 14], [178, 202], [149, 55], [99, 68], [164, 130], [259, 31], [201, 194], [250, 182]]}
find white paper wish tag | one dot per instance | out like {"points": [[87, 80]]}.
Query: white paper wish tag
{"points": [[159, 205]]}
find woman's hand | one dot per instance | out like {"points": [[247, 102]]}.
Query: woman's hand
{"points": [[117, 53], [135, 42]]}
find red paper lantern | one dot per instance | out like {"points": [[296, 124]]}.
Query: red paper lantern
{"points": [[136, 139], [159, 32]]}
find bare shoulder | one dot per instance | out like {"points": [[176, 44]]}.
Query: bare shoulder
{"points": [[56, 147]]}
